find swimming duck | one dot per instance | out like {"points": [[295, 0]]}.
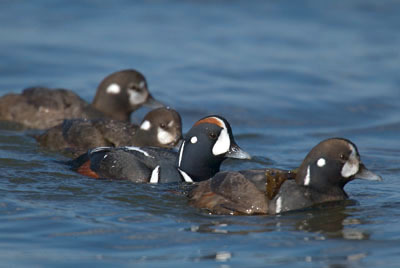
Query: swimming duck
{"points": [[321, 177], [161, 127], [118, 95], [205, 146]]}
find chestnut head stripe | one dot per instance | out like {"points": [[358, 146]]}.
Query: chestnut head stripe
{"points": [[211, 120]]}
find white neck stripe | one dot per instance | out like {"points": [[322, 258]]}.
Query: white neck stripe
{"points": [[307, 179], [185, 176], [181, 154]]}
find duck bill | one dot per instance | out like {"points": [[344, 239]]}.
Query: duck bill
{"points": [[365, 174], [236, 152], [153, 103]]}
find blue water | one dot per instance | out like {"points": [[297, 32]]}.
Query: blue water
{"points": [[286, 74]]}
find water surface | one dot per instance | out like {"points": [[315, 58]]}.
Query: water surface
{"points": [[286, 75]]}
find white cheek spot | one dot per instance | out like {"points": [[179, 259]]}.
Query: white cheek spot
{"points": [[223, 143], [142, 84], [171, 123], [278, 208], [307, 179], [352, 165], [321, 162], [155, 175], [146, 125], [136, 98], [193, 139], [113, 89], [164, 137]]}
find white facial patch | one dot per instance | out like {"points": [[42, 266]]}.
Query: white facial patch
{"points": [[164, 137], [307, 179], [155, 175], [278, 204], [352, 165], [146, 125], [142, 84], [113, 89], [224, 142], [321, 162], [136, 98], [193, 139]]}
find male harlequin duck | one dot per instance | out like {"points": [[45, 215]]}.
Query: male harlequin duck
{"points": [[200, 155], [118, 95], [320, 178], [161, 127]]}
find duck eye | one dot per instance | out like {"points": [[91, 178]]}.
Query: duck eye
{"points": [[343, 157], [163, 126], [135, 88], [213, 135]]}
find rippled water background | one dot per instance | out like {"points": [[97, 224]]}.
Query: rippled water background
{"points": [[287, 74]]}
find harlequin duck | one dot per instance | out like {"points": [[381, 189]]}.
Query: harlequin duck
{"points": [[200, 155], [161, 127], [320, 178], [118, 95]]}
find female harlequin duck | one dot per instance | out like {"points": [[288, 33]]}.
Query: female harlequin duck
{"points": [[161, 127], [118, 95], [320, 178], [200, 155]]}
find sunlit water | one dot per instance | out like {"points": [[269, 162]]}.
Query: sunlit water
{"points": [[286, 74]]}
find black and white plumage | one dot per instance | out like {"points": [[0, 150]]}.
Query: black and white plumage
{"points": [[160, 127], [321, 177], [205, 146]]}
